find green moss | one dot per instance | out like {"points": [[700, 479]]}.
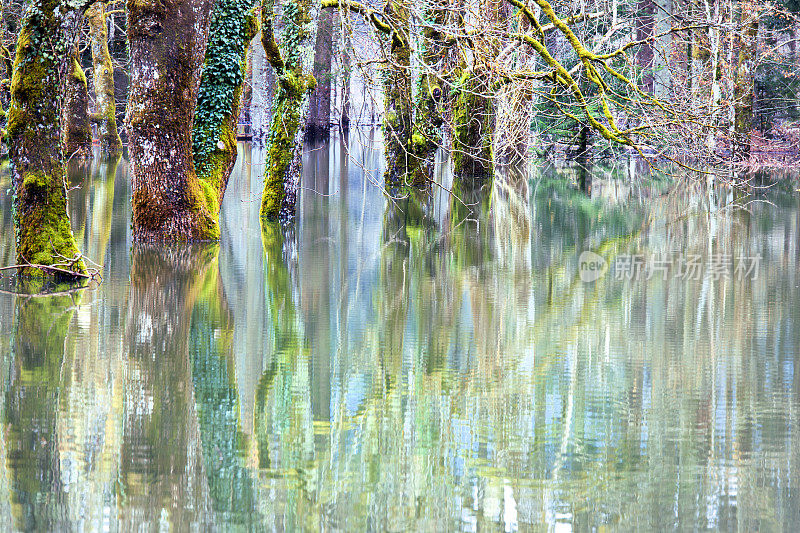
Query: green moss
{"points": [[281, 145], [210, 197], [35, 180], [76, 72], [43, 234]]}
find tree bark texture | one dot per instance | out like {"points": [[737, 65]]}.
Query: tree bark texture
{"points": [[76, 131], [293, 62], [745, 82], [168, 44], [398, 117], [319, 113], [43, 233]]}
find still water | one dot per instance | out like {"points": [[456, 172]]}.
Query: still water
{"points": [[413, 366]]}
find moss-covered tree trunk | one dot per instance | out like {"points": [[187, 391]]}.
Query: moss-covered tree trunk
{"points": [[105, 116], [319, 114], [398, 117], [43, 234], [430, 96], [473, 123], [168, 44], [293, 62], [233, 25], [745, 82], [474, 109], [76, 132]]}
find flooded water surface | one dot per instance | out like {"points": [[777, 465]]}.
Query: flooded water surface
{"points": [[562, 349]]}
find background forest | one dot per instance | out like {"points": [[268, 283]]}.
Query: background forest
{"points": [[696, 83]]}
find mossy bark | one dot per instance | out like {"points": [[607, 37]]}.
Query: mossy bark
{"points": [[76, 131], [431, 94], [168, 44], [233, 26], [105, 116], [43, 233], [398, 117], [293, 62], [473, 122]]}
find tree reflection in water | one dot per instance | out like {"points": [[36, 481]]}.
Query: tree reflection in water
{"points": [[426, 363]]}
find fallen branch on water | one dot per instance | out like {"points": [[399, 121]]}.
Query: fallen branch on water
{"points": [[50, 269]]}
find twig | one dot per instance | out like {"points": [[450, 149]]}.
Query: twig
{"points": [[48, 267]]}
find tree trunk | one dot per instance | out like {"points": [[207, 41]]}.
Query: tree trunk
{"points": [[105, 115], [76, 131], [744, 85], [473, 122], [662, 77], [319, 114], [168, 43], [715, 99], [233, 26], [474, 109], [345, 45], [42, 225], [430, 96], [263, 92], [293, 63], [398, 105], [645, 24]]}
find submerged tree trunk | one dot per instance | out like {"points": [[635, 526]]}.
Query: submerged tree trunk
{"points": [[319, 114], [662, 77], [42, 225], [431, 89], [345, 45], [76, 132], [744, 85], [233, 26], [168, 44], [473, 118], [263, 93], [105, 116], [398, 105], [293, 61]]}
